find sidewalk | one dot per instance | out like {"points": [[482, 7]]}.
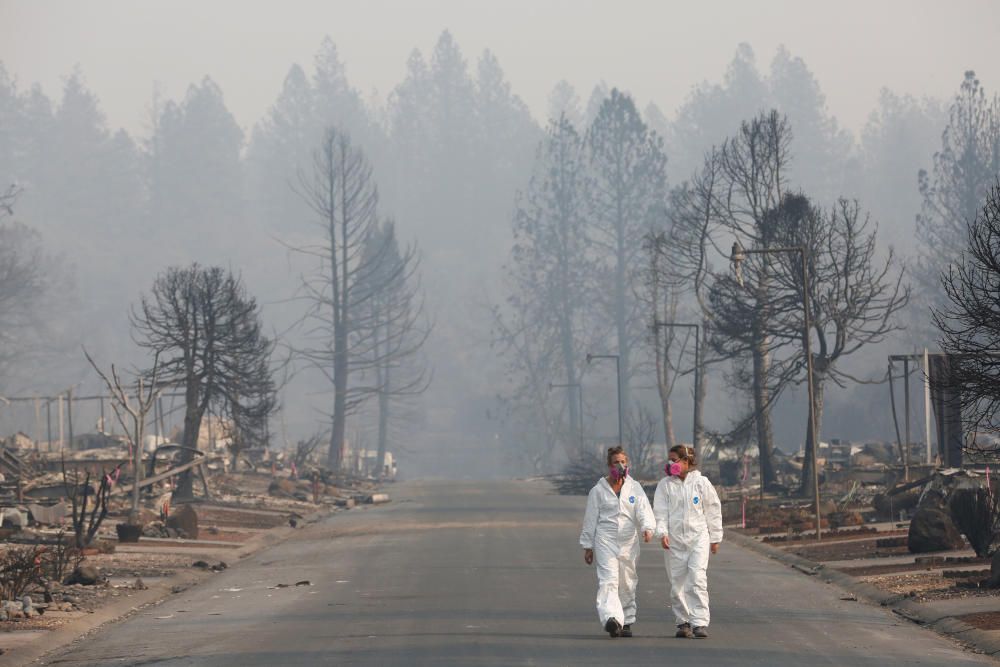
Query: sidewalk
{"points": [[942, 616]]}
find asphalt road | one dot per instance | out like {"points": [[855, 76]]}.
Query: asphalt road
{"points": [[490, 574]]}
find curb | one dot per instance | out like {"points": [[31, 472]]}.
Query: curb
{"points": [[949, 626], [126, 607]]}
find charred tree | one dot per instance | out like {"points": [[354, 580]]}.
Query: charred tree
{"points": [[970, 326], [390, 330], [854, 296], [549, 275], [626, 196], [364, 316], [207, 333]]}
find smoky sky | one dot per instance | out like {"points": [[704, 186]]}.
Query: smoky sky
{"points": [[656, 50]]}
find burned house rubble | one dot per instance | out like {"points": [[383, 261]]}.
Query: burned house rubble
{"points": [[70, 541]]}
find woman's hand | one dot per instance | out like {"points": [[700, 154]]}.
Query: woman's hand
{"points": [[588, 556], [714, 548], [665, 542], [647, 536]]}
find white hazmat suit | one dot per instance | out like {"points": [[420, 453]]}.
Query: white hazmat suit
{"points": [[689, 513], [612, 527]]}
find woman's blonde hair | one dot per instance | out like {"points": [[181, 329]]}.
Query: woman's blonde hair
{"points": [[617, 449], [685, 453]]}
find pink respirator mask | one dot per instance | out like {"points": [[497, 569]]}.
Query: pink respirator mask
{"points": [[672, 469], [618, 471]]}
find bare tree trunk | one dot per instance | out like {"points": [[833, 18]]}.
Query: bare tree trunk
{"points": [[621, 322], [572, 403], [700, 391], [806, 487], [383, 425], [668, 422], [335, 458], [762, 411], [193, 414]]}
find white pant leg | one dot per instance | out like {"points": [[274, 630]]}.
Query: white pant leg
{"points": [[629, 581], [696, 589], [608, 603], [676, 561]]}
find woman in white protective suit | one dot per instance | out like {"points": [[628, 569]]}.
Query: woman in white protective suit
{"points": [[689, 524], [617, 511]]}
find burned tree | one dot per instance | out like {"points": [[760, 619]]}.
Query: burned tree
{"points": [[207, 333], [390, 329], [88, 506], [550, 277], [964, 170], [130, 411], [970, 325], [660, 295], [626, 194], [854, 297], [749, 177], [693, 212], [27, 278], [362, 315]]}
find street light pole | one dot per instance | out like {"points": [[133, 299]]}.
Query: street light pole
{"points": [[579, 393], [738, 255], [618, 375], [696, 428]]}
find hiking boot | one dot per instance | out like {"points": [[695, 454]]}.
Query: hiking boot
{"points": [[613, 627], [701, 632], [627, 630], [684, 631]]}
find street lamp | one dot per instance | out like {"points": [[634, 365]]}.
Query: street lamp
{"points": [[618, 375], [696, 426], [579, 393], [737, 256]]}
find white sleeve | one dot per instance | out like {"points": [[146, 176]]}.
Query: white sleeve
{"points": [[589, 532], [644, 512], [660, 511], [713, 512]]}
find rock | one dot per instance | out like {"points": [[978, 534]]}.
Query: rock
{"points": [[139, 584], [184, 520], [282, 488], [85, 575], [825, 507], [3, 615], [201, 565], [14, 518], [155, 529], [932, 529], [26, 602]]}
